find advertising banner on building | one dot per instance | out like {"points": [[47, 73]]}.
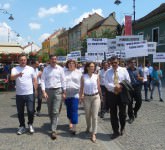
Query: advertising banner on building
{"points": [[128, 25]]}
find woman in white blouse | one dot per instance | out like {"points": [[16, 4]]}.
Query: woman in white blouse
{"points": [[90, 94], [73, 77]]}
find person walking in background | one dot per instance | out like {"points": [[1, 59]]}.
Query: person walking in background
{"points": [[90, 93], [103, 88], [136, 77], [25, 79], [150, 72], [35, 65], [73, 77], [145, 72], [53, 84], [156, 81], [113, 78]]}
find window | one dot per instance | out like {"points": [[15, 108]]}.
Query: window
{"points": [[155, 35]]}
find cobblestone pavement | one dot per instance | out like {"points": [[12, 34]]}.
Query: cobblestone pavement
{"points": [[146, 133]]}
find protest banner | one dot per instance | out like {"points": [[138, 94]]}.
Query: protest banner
{"points": [[159, 57], [136, 49], [151, 47], [97, 45]]}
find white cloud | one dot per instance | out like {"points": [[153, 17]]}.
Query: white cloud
{"points": [[86, 14], [7, 34], [43, 12], [43, 37], [34, 26], [6, 6]]}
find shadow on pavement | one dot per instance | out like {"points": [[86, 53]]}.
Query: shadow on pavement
{"points": [[8, 130]]}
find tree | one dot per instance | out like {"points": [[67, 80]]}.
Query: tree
{"points": [[60, 52], [45, 57]]}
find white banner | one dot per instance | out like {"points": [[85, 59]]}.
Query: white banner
{"points": [[121, 40], [74, 55], [111, 45], [159, 57], [151, 47], [97, 45], [136, 49], [61, 58], [95, 57]]}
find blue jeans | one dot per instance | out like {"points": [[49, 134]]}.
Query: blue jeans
{"points": [[159, 86], [21, 101], [72, 109]]}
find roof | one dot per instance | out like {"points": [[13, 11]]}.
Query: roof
{"points": [[10, 48], [155, 12], [99, 23]]}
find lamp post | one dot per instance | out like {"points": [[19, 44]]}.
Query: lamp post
{"points": [[117, 2], [6, 12], [16, 34]]}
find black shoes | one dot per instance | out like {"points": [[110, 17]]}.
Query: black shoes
{"points": [[54, 135], [115, 135], [161, 100], [147, 100], [131, 120]]}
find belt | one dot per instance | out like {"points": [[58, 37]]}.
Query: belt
{"points": [[91, 94], [53, 88]]}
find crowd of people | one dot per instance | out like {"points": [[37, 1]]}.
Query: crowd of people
{"points": [[112, 87]]}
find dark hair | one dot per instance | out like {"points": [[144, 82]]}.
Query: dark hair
{"points": [[22, 55], [69, 61], [87, 65], [113, 58], [50, 56], [132, 59]]}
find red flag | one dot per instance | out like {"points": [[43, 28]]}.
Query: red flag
{"points": [[128, 25]]}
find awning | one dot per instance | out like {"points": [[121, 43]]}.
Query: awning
{"points": [[10, 49]]}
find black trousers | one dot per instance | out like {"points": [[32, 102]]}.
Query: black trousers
{"points": [[39, 97], [21, 101], [104, 101], [117, 112], [137, 97]]}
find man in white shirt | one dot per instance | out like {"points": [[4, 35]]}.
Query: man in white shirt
{"points": [[35, 65], [145, 72], [25, 79], [53, 84], [113, 78], [103, 88]]}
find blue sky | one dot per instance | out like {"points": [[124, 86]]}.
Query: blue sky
{"points": [[35, 20]]}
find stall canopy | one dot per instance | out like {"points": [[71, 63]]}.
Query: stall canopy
{"points": [[10, 48]]}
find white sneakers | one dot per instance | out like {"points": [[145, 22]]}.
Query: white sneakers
{"points": [[31, 129], [22, 130]]}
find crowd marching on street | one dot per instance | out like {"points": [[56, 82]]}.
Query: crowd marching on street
{"points": [[111, 87]]}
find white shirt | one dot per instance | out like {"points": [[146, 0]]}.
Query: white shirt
{"points": [[90, 84], [146, 73], [109, 77], [73, 79], [24, 84], [102, 76], [38, 78], [53, 77]]}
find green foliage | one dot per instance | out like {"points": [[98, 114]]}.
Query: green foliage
{"points": [[45, 57], [60, 52]]}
